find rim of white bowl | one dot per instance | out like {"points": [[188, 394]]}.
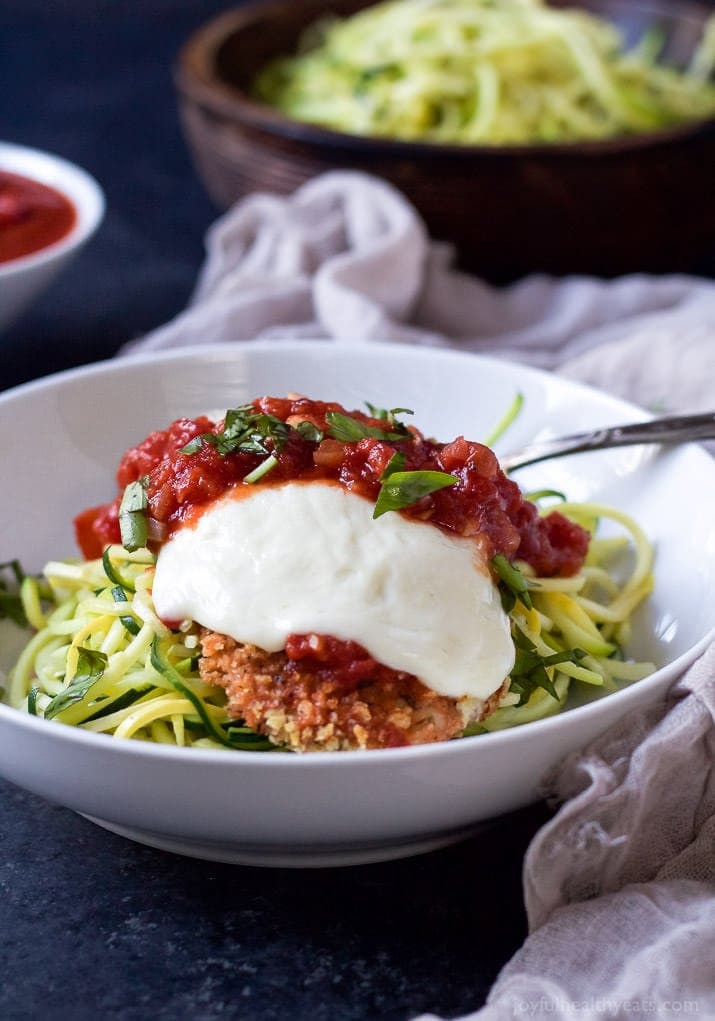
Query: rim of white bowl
{"points": [[626, 696], [83, 191]]}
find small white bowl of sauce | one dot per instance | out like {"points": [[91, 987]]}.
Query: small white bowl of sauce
{"points": [[48, 210]]}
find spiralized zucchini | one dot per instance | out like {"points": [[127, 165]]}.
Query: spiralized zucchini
{"points": [[485, 72], [102, 660]]}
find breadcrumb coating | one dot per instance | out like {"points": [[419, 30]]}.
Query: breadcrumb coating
{"points": [[305, 712]]}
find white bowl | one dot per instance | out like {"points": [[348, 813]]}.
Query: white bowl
{"points": [[339, 807], [21, 280]]}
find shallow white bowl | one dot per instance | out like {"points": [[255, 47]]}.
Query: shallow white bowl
{"points": [[22, 280], [340, 807]]}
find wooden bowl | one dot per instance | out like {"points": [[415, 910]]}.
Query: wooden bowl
{"points": [[635, 203]]}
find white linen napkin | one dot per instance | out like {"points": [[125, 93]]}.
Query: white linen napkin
{"points": [[620, 885]]}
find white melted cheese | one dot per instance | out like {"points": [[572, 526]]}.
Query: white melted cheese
{"points": [[302, 558]]}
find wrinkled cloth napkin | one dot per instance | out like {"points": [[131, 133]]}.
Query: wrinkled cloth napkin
{"points": [[620, 884]]}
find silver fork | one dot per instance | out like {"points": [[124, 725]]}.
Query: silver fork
{"points": [[674, 429]]}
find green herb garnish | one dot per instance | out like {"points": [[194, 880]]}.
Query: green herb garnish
{"points": [[90, 667], [395, 464], [350, 430], [401, 488], [529, 672], [133, 523], [244, 430], [309, 432], [10, 602], [512, 584], [385, 415]]}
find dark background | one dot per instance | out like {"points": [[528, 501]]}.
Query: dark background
{"points": [[91, 80], [92, 926]]}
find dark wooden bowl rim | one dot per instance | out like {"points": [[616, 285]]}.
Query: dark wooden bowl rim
{"points": [[196, 76]]}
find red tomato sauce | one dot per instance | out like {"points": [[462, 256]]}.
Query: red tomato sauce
{"points": [[32, 216], [346, 665], [483, 503]]}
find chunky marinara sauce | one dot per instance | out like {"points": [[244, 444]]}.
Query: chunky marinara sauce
{"points": [[483, 503], [32, 216]]}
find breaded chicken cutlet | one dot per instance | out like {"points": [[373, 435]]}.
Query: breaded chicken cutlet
{"points": [[304, 711]]}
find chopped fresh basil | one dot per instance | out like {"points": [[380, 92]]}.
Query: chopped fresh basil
{"points": [[395, 464], [350, 430], [512, 584], [309, 432], [10, 601], [389, 416], [529, 672], [245, 430], [16, 568], [263, 468], [90, 667], [32, 700], [132, 515], [401, 488], [193, 446]]}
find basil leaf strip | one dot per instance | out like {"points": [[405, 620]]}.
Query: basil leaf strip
{"points": [[389, 416], [10, 601], [529, 672], [349, 430], [90, 667], [16, 567], [400, 489], [395, 464], [512, 585], [11, 607], [132, 515], [309, 432], [246, 430]]}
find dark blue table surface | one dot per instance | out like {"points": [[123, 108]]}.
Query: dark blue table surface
{"points": [[92, 926]]}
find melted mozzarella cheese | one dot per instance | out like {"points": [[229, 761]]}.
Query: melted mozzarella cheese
{"points": [[302, 558]]}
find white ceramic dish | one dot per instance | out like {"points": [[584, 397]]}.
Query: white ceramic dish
{"points": [[21, 280], [342, 807]]}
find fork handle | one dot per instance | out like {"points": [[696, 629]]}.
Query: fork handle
{"points": [[674, 429]]}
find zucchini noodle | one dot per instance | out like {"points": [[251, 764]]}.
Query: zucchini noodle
{"points": [[103, 661], [143, 681], [490, 72]]}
